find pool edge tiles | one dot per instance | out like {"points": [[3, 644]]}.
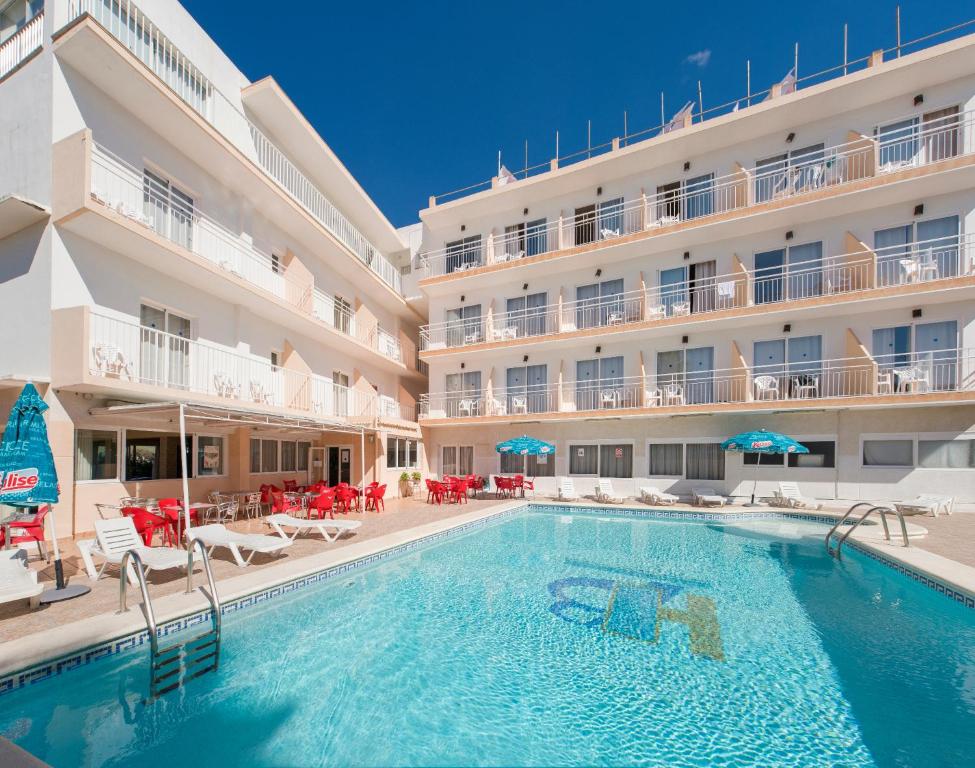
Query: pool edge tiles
{"points": [[90, 651]]}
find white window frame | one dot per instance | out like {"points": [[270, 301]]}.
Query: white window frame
{"points": [[599, 443], [407, 440], [125, 452], [277, 443], [893, 436], [119, 453], [457, 446], [666, 441], [224, 453]]}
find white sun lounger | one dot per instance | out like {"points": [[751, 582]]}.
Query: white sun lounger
{"points": [[650, 494], [218, 535], [788, 496], [116, 536], [281, 521], [17, 581], [605, 493], [705, 496], [567, 489], [926, 502]]}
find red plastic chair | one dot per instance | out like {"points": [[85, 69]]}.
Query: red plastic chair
{"points": [[458, 491], [504, 486], [147, 523], [374, 497], [324, 502], [521, 484], [475, 483], [30, 531], [291, 486], [280, 502], [432, 492], [345, 498]]}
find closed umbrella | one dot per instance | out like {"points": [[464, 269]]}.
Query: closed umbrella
{"points": [[761, 441], [28, 477]]}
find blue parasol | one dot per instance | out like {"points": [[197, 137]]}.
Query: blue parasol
{"points": [[525, 446], [761, 441], [28, 476]]}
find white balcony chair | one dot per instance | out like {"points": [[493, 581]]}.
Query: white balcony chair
{"points": [[110, 360], [651, 398], [608, 398], [766, 388], [673, 394], [607, 233], [224, 386], [927, 267], [680, 309], [805, 387], [465, 407], [519, 404], [911, 270], [259, 393], [885, 382], [912, 379], [614, 318], [726, 294], [658, 312], [497, 407]]}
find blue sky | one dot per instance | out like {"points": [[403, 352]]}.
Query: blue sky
{"points": [[417, 98]]}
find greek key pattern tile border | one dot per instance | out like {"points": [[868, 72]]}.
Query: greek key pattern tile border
{"points": [[50, 669]]}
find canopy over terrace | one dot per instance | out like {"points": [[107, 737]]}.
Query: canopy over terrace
{"points": [[210, 415]]}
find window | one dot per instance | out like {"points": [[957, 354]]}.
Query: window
{"points": [[304, 450], [922, 250], [705, 461], [401, 453], [96, 455], [583, 460], [463, 254], [342, 314], [155, 456], [888, 453], [768, 460], [789, 173], [275, 263], [526, 314], [699, 192], [686, 375], [209, 455], [463, 393], [512, 464], [616, 461], [164, 354], [168, 209], [536, 237], [600, 304], [789, 273], [527, 389], [464, 326], [268, 455], [668, 201], [611, 218], [666, 460], [255, 453], [599, 384], [822, 453], [531, 466], [946, 454], [585, 224], [341, 393], [457, 460], [898, 144], [14, 15], [288, 456], [922, 355], [514, 241]]}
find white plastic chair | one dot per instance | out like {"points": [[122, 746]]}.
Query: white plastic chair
{"points": [[766, 388]]}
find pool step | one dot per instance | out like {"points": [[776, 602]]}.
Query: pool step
{"points": [[177, 664]]}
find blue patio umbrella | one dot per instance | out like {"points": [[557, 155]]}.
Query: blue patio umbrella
{"points": [[525, 446], [28, 476], [761, 441]]}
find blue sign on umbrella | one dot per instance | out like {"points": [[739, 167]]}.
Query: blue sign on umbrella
{"points": [[525, 446], [761, 441], [27, 474]]}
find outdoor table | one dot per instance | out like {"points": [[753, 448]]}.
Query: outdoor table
{"points": [[203, 508], [13, 520]]}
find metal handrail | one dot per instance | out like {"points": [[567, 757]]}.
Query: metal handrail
{"points": [[146, 603], [212, 596], [883, 510]]}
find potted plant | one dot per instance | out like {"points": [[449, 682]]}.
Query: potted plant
{"points": [[405, 486]]}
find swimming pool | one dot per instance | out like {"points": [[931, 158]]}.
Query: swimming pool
{"points": [[545, 638]]}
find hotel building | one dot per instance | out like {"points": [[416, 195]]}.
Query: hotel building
{"points": [[177, 239], [801, 263]]}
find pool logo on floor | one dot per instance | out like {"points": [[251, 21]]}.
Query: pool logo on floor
{"points": [[637, 610]]}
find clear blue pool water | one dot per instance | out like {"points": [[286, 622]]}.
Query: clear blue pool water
{"points": [[547, 639]]}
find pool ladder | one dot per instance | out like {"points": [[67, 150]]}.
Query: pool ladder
{"points": [[174, 665], [881, 509]]}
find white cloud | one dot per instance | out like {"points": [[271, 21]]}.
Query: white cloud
{"points": [[700, 59]]}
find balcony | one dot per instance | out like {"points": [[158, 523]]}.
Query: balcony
{"points": [[22, 44], [120, 193], [860, 274], [944, 376], [126, 23], [863, 162], [106, 354]]}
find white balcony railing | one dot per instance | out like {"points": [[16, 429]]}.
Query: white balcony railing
{"points": [[708, 196], [21, 44], [910, 264], [144, 199], [948, 370], [131, 27], [126, 351]]}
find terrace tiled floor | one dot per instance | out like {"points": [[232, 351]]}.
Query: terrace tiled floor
{"points": [[951, 537]]}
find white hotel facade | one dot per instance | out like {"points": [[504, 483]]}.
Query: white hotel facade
{"points": [[171, 233], [175, 238], [801, 264]]}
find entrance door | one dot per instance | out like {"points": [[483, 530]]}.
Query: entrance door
{"points": [[339, 464]]}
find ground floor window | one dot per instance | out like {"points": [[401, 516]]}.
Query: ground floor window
{"points": [[210, 455], [155, 456], [457, 460], [610, 460], [822, 454], [766, 460], [402, 453], [666, 459], [946, 454], [264, 456], [888, 453], [289, 456], [705, 461], [530, 466], [583, 460], [96, 455]]}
